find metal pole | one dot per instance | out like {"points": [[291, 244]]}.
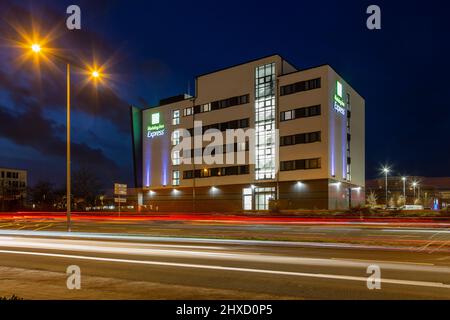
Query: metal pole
{"points": [[68, 194], [386, 189], [404, 190]]}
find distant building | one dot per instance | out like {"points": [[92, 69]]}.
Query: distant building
{"points": [[13, 188], [308, 141], [431, 192]]}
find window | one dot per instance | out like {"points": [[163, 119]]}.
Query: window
{"points": [[300, 138], [215, 172], [175, 178], [175, 117], [176, 160], [304, 112], [300, 86], [235, 124], [221, 104], [242, 146], [205, 107], [188, 111], [175, 137], [301, 164]]}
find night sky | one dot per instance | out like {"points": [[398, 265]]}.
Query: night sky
{"points": [[153, 49]]}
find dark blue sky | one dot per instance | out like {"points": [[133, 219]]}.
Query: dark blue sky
{"points": [[156, 48]]}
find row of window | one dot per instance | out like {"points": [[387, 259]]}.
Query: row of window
{"points": [[303, 112], [300, 86], [302, 164], [12, 183], [300, 138], [216, 172], [237, 147], [223, 126], [221, 104], [9, 175]]}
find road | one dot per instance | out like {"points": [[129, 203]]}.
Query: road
{"points": [[411, 234], [33, 266]]}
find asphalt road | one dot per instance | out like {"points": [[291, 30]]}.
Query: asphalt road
{"points": [[124, 267]]}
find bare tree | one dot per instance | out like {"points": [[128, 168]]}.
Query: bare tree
{"points": [[372, 199]]}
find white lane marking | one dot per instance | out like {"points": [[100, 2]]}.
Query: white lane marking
{"points": [[384, 261], [417, 230], [212, 267]]}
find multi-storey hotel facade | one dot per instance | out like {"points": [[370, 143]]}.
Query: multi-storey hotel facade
{"points": [[303, 149]]}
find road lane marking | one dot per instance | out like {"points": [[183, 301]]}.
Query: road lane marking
{"points": [[250, 270], [384, 261]]}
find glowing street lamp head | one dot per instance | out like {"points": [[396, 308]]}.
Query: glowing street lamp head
{"points": [[386, 170], [36, 48], [404, 178], [95, 74]]}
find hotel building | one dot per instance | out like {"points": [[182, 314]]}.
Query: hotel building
{"points": [[307, 142]]}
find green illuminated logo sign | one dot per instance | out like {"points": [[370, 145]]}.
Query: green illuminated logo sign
{"points": [[339, 104], [156, 128]]}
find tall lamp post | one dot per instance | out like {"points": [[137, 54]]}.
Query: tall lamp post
{"points": [[95, 74], [414, 188], [386, 170], [404, 189]]}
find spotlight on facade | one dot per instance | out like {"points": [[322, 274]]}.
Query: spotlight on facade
{"points": [[300, 184], [214, 189], [175, 191], [151, 193], [253, 187]]}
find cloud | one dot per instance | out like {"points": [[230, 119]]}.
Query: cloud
{"points": [[29, 88], [47, 137]]}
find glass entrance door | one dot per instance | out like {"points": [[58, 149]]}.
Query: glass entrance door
{"points": [[262, 197], [247, 198]]}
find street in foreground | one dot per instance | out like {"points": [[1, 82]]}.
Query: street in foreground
{"points": [[33, 264]]}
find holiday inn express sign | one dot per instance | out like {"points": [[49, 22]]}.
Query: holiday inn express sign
{"points": [[339, 104], [157, 128]]}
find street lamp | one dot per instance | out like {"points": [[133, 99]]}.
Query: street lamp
{"points": [[386, 170], [414, 184], [37, 49]]}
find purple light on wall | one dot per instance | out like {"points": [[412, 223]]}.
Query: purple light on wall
{"points": [[147, 168], [332, 141], [165, 164], [344, 150]]}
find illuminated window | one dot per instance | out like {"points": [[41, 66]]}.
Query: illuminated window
{"points": [[205, 107], [175, 117], [176, 160], [188, 111], [265, 106], [175, 178], [175, 137]]}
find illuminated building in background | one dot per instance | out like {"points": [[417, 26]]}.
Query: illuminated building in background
{"points": [[316, 117], [13, 188]]}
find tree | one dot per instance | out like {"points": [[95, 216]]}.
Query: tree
{"points": [[372, 199], [86, 188], [42, 195]]}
